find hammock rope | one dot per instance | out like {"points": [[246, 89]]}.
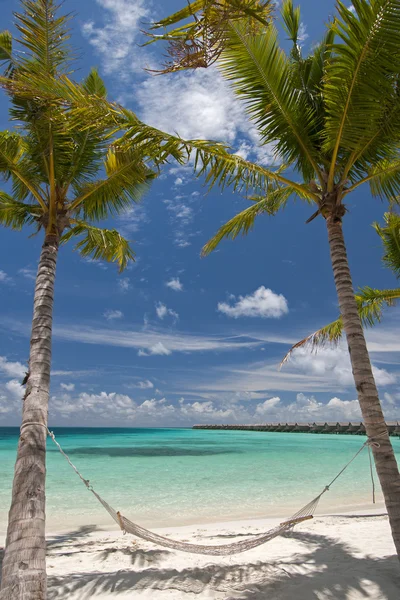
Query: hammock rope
{"points": [[304, 514]]}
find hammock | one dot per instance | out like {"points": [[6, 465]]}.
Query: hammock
{"points": [[302, 515]]}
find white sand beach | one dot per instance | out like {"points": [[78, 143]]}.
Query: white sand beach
{"points": [[332, 557]]}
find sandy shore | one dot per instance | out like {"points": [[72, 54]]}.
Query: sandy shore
{"points": [[335, 557]]}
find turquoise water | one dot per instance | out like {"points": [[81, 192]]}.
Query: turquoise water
{"points": [[182, 476]]}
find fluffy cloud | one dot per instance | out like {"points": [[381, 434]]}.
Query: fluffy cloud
{"points": [[334, 363], [175, 284], [13, 369], [163, 311], [263, 303], [111, 315]]}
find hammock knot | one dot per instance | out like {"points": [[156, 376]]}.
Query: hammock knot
{"points": [[371, 441]]}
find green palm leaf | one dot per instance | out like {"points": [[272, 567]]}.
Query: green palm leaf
{"points": [[360, 75], [243, 222], [44, 35], [17, 214], [127, 180], [100, 244], [261, 74], [390, 236]]}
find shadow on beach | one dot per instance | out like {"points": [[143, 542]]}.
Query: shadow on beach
{"points": [[328, 570]]}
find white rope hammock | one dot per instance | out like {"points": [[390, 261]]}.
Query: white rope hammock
{"points": [[128, 526]]}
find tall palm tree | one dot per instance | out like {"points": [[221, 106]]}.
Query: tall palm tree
{"points": [[334, 119], [63, 179], [370, 301]]}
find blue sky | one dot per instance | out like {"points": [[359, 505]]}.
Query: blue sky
{"points": [[177, 339]]}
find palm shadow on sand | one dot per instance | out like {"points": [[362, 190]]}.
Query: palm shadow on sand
{"points": [[329, 569]]}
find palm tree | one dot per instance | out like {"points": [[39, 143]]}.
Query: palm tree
{"points": [[334, 119], [54, 168]]}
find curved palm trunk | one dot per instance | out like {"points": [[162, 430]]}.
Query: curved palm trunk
{"points": [[24, 565], [385, 461]]}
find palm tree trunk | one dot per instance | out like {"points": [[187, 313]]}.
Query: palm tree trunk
{"points": [[24, 565], [371, 409]]}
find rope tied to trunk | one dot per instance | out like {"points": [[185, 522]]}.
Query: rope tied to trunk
{"points": [[302, 515]]}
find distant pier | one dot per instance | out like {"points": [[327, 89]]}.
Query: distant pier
{"points": [[345, 428]]}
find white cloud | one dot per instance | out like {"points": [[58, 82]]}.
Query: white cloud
{"points": [[157, 350], [117, 41], [175, 284], [145, 385], [268, 406], [132, 219], [162, 312], [124, 284], [302, 34], [335, 364], [263, 303], [152, 340], [15, 388], [112, 315], [13, 369], [182, 216], [68, 387], [4, 278]]}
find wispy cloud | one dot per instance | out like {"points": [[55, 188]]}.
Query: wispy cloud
{"points": [[4, 278], [112, 315], [116, 34], [124, 284], [28, 273], [154, 341]]}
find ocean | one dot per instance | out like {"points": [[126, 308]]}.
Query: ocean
{"points": [[170, 477]]}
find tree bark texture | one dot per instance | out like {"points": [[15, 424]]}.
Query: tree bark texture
{"points": [[371, 409], [24, 565]]}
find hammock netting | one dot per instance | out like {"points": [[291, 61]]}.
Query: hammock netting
{"points": [[128, 526]]}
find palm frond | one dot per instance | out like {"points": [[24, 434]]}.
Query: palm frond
{"points": [[370, 303], [93, 84], [243, 222], [262, 75], [360, 75], [6, 58], [200, 41], [17, 214], [44, 35], [126, 182], [330, 334], [100, 244], [384, 178], [390, 236], [13, 165]]}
